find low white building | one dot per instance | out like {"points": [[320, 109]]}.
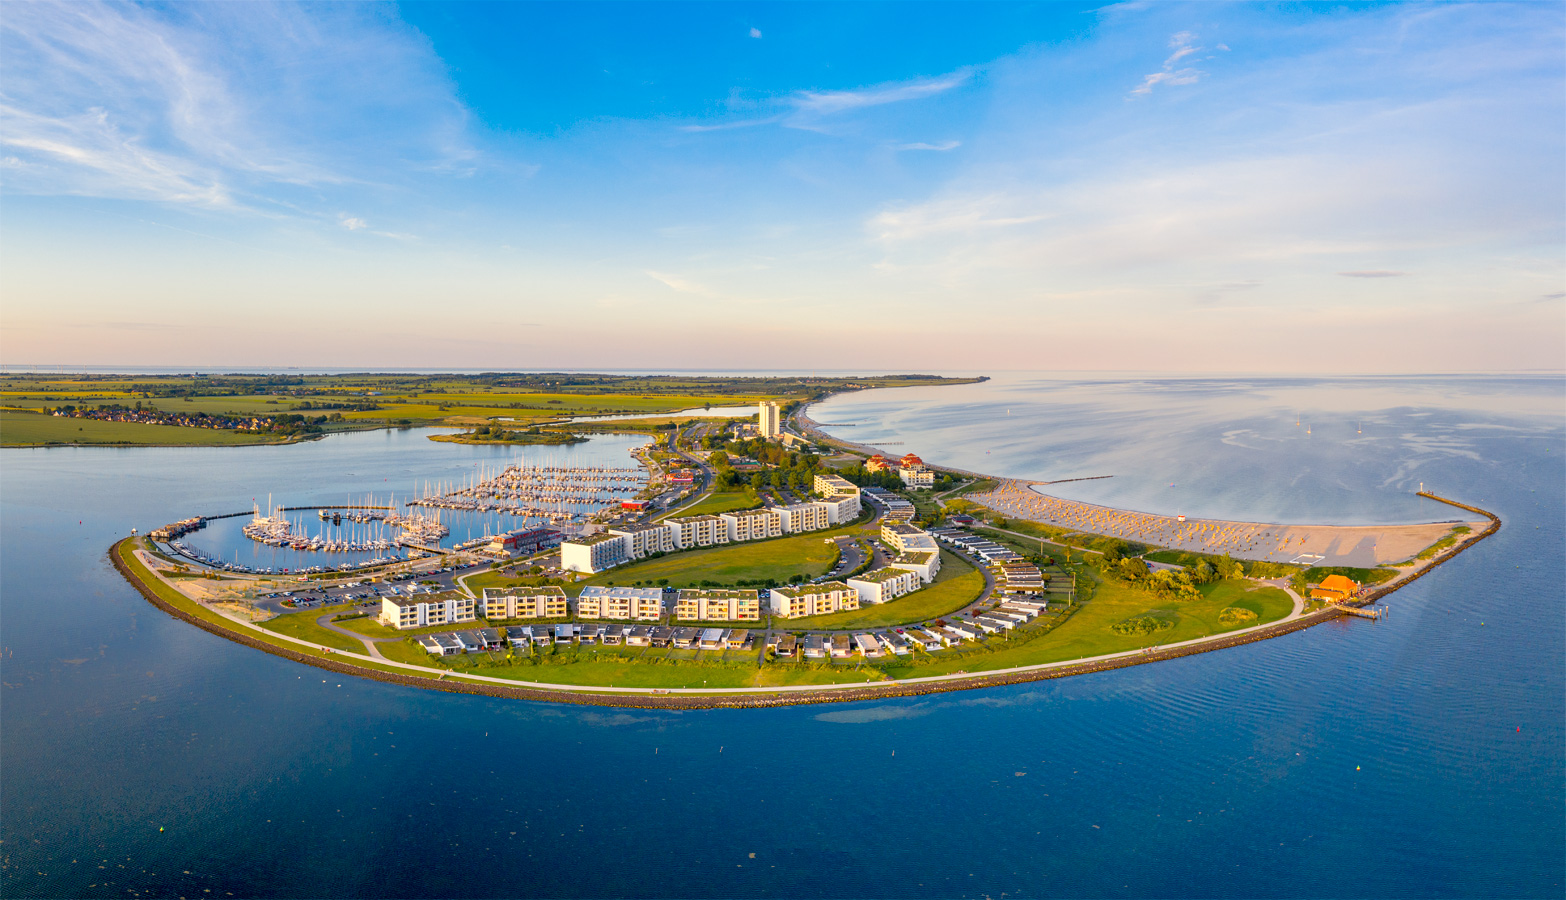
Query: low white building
{"points": [[881, 585], [906, 538], [594, 553], [752, 524], [802, 517], [644, 540], [525, 603], [624, 603], [795, 601], [832, 485], [917, 477], [421, 612], [718, 606], [926, 563], [691, 532], [840, 508]]}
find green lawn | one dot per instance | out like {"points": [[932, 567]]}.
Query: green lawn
{"points": [[19, 429], [720, 502], [302, 625], [1088, 631], [777, 559], [957, 585]]}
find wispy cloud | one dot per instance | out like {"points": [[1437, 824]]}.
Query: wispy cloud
{"points": [[755, 32], [809, 109], [350, 222], [1181, 43], [1373, 273], [683, 285], [942, 147], [232, 107]]}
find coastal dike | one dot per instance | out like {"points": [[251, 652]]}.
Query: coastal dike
{"points": [[815, 694]]}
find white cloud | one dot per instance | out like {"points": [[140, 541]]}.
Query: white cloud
{"points": [[809, 109], [230, 105], [830, 102], [755, 32], [351, 223], [942, 147], [1181, 43], [1373, 273]]}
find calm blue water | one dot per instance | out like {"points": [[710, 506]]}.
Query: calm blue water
{"points": [[1421, 756]]}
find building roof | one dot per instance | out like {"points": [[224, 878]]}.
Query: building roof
{"points": [[698, 593], [1339, 583], [805, 590], [877, 576]]}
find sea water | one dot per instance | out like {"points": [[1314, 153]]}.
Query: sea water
{"points": [[1417, 756]]}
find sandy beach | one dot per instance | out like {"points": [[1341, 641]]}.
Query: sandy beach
{"points": [[1327, 545]]}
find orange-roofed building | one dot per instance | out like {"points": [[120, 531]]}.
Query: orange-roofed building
{"points": [[1335, 589], [877, 463], [911, 462]]}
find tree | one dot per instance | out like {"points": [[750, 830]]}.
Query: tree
{"points": [[718, 459]]}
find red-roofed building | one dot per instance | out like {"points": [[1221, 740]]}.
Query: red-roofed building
{"points": [[910, 462], [877, 463]]}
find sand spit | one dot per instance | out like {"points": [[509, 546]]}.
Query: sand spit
{"points": [[1326, 545]]}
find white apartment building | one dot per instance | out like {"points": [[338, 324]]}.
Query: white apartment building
{"points": [[906, 538], [840, 508], [594, 553], [752, 524], [623, 603], [881, 585], [771, 420], [698, 531], [419, 612], [525, 603], [801, 517], [794, 601], [924, 563], [830, 485], [718, 606], [917, 477], [643, 540]]}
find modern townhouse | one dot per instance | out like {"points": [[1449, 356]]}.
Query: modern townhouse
{"points": [[594, 553], [795, 601], [752, 524], [924, 563], [623, 603], [645, 540], [718, 606], [525, 603], [691, 532], [421, 612], [802, 517], [881, 585]]}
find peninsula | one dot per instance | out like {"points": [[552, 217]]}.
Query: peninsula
{"points": [[753, 563]]}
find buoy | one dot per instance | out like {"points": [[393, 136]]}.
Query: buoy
{"points": [[1356, 768], [160, 827]]}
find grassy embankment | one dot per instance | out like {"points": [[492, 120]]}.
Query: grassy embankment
{"points": [[1090, 630], [956, 585]]}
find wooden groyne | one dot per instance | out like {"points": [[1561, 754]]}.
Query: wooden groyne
{"points": [[825, 694]]}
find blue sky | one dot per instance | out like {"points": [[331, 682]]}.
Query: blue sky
{"points": [[1179, 187]]}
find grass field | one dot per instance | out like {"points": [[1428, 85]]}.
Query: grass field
{"points": [[720, 502], [777, 559], [1088, 631], [957, 585], [19, 429], [302, 625]]}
